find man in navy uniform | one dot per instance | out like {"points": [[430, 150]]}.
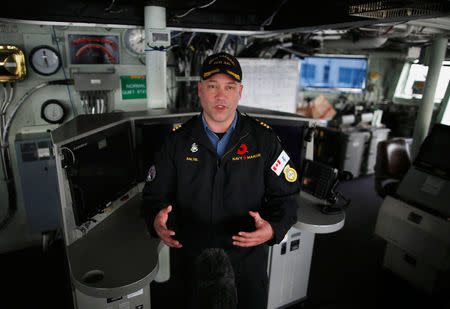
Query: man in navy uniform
{"points": [[223, 181]]}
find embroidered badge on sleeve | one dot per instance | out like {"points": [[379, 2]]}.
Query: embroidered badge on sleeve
{"points": [[151, 174], [280, 163], [290, 173]]}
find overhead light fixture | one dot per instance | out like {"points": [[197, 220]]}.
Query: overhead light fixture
{"points": [[387, 9]]}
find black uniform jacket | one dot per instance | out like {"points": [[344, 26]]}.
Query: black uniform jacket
{"points": [[211, 196]]}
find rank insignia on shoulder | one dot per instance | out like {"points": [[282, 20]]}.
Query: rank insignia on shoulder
{"points": [[265, 125], [151, 174], [177, 127], [290, 173]]}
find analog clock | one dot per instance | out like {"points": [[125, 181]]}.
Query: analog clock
{"points": [[45, 60], [53, 111], [134, 41]]}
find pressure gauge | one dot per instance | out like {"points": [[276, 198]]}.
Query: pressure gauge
{"points": [[45, 60], [53, 111], [134, 41]]}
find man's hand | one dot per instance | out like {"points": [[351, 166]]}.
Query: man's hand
{"points": [[263, 233], [161, 228]]}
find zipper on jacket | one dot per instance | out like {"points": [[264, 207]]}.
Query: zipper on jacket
{"points": [[215, 200], [219, 160], [239, 140]]}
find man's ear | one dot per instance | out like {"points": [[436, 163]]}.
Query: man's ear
{"points": [[199, 84]]}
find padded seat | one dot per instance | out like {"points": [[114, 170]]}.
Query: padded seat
{"points": [[392, 162]]}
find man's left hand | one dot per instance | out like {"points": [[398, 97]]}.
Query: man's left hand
{"points": [[263, 233]]}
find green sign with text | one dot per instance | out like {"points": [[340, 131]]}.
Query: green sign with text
{"points": [[133, 87]]}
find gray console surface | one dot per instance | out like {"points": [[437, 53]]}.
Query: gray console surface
{"points": [[311, 219], [117, 257]]}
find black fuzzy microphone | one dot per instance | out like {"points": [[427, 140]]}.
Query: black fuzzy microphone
{"points": [[214, 281]]}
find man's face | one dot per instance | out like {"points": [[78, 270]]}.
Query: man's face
{"points": [[219, 96]]}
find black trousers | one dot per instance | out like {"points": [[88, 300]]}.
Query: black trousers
{"points": [[250, 277]]}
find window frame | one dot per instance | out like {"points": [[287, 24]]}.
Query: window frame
{"points": [[400, 97]]}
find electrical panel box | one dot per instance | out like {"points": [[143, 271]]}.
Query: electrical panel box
{"points": [[416, 270], [289, 266], [95, 81], [37, 171], [417, 232]]}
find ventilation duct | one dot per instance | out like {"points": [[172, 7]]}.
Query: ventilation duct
{"points": [[388, 9], [349, 44]]}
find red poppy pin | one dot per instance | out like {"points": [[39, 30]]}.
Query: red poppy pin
{"points": [[242, 149]]}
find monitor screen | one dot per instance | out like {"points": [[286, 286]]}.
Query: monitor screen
{"points": [[149, 140], [434, 153], [318, 179], [292, 138], [150, 135], [333, 73], [102, 169]]}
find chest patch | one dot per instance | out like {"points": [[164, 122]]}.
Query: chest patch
{"points": [[280, 163]]}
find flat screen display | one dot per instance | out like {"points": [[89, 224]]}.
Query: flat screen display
{"points": [[149, 139], [434, 153], [150, 136], [102, 169], [291, 134], [333, 73]]}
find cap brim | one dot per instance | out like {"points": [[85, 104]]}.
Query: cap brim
{"points": [[210, 74]]}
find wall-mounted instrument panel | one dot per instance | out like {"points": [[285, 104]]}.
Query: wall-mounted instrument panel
{"points": [[93, 49], [45, 60], [12, 64]]}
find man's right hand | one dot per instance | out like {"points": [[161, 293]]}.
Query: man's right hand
{"points": [[161, 228]]}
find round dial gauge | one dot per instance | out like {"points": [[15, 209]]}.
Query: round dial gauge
{"points": [[53, 111], [45, 60], [134, 40]]}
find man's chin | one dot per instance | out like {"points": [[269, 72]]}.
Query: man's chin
{"points": [[221, 118]]}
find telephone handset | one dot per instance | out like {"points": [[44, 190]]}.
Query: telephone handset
{"points": [[321, 181]]}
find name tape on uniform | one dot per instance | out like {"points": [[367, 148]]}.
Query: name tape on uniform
{"points": [[280, 163]]}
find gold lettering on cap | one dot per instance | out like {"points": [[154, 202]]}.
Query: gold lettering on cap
{"points": [[218, 58]]}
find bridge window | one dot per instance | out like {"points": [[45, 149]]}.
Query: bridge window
{"points": [[412, 82]]}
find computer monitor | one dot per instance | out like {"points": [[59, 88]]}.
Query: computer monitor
{"points": [[292, 138], [100, 169], [434, 152], [344, 73], [150, 135]]}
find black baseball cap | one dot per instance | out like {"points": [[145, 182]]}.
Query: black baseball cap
{"points": [[221, 63]]}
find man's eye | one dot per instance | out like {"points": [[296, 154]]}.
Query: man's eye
{"points": [[230, 87], [211, 86]]}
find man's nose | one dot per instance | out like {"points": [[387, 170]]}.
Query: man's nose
{"points": [[220, 92]]}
